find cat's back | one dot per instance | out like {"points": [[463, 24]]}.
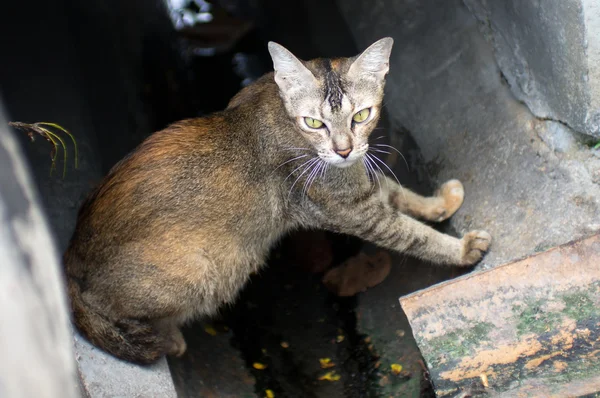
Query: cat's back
{"points": [[196, 170]]}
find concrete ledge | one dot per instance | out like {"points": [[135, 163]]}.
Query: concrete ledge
{"points": [[103, 376]]}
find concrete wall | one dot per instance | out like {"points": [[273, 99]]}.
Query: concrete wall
{"points": [[527, 181], [35, 341], [549, 52]]}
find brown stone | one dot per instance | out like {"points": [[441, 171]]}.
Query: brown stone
{"points": [[358, 273], [528, 328]]}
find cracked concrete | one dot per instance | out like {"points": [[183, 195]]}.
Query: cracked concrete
{"points": [[549, 53]]}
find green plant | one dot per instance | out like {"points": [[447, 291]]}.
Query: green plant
{"points": [[42, 129]]}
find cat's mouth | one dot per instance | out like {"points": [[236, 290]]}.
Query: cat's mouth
{"points": [[343, 162]]}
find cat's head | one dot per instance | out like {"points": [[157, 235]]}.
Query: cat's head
{"points": [[335, 103]]}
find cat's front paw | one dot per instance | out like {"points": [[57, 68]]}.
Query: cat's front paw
{"points": [[475, 244], [453, 195]]}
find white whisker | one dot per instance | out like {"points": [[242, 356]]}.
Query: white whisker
{"points": [[374, 164], [324, 170], [370, 163], [364, 162], [293, 171], [307, 168], [311, 176], [388, 167], [287, 161], [370, 175], [366, 169], [399, 153], [380, 150], [322, 167]]}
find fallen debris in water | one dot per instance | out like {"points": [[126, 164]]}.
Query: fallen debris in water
{"points": [[358, 273]]}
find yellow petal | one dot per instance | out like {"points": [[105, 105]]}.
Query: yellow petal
{"points": [[210, 330], [259, 366], [326, 363], [269, 394], [484, 380], [330, 376], [396, 368], [340, 338]]}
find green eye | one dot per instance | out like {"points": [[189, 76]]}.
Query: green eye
{"points": [[361, 116], [313, 123]]}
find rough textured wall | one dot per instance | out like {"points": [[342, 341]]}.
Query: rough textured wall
{"points": [[548, 52], [527, 181]]}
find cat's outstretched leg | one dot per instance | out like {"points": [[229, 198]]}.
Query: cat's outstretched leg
{"points": [[404, 234], [439, 207], [374, 219]]}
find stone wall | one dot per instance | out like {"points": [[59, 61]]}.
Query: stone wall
{"points": [[528, 181], [549, 52]]}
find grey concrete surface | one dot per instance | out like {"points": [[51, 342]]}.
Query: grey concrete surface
{"points": [[549, 53], [103, 376], [526, 183], [37, 355]]}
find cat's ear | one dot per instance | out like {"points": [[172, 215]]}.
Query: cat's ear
{"points": [[290, 73], [374, 61]]}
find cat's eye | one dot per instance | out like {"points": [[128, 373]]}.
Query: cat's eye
{"points": [[313, 123], [361, 116]]}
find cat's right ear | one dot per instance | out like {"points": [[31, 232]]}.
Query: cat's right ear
{"points": [[290, 73], [374, 61]]}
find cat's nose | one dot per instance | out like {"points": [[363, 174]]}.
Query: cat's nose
{"points": [[343, 152]]}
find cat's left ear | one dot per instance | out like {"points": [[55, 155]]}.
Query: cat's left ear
{"points": [[374, 61], [290, 72]]}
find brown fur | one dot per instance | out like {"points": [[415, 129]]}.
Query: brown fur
{"points": [[175, 229]]}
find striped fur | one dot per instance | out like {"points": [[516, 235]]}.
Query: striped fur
{"points": [[175, 229]]}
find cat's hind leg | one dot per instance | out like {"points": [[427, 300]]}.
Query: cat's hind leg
{"points": [[169, 329], [136, 340], [439, 207]]}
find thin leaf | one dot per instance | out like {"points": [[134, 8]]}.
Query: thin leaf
{"points": [[69, 134], [50, 133]]}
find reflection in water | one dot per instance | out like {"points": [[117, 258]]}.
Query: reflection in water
{"points": [[188, 13]]}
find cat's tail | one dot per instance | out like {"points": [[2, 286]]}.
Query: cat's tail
{"points": [[128, 339]]}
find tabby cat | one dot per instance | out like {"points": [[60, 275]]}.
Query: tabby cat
{"points": [[176, 228]]}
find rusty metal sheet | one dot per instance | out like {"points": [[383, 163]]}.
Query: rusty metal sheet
{"points": [[530, 328]]}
